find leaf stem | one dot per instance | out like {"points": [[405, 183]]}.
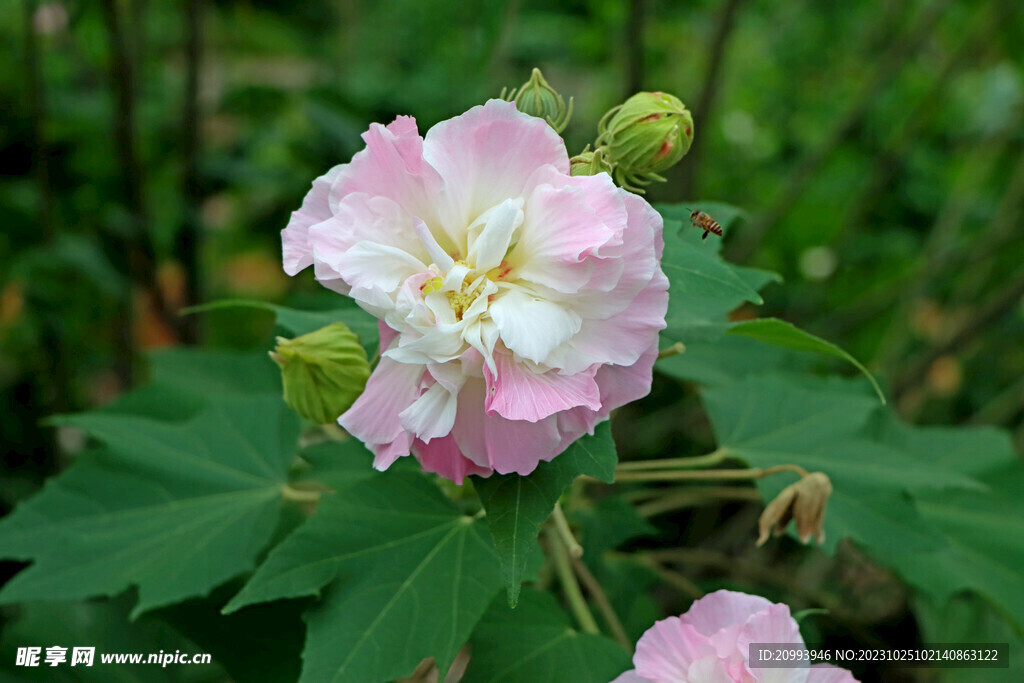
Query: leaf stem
{"points": [[692, 496], [562, 527], [601, 598], [673, 578], [708, 475], [673, 350], [681, 463], [300, 495], [559, 554]]}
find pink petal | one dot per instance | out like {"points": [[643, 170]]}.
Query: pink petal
{"points": [[619, 385], [442, 456], [362, 227], [826, 673], [384, 455], [392, 166], [487, 155], [622, 338], [723, 608], [493, 442], [772, 625], [561, 229], [392, 387], [640, 250], [665, 651], [519, 393], [710, 670], [298, 253], [631, 676], [387, 335]]}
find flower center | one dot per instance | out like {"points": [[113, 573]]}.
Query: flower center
{"points": [[474, 285], [460, 301]]}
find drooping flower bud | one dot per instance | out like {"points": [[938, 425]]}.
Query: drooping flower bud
{"points": [[324, 372], [537, 98], [645, 135], [589, 162], [804, 502]]}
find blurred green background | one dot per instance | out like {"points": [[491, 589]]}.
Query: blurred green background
{"points": [[151, 151]]}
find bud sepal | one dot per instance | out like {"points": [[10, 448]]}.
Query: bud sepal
{"points": [[323, 372], [645, 135], [537, 98]]}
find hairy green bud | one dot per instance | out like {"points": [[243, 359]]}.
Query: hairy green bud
{"points": [[645, 135], [589, 162], [324, 372], [537, 98]]}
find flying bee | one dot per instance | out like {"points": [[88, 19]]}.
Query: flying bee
{"points": [[705, 222]]}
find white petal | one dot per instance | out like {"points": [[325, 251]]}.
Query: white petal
{"points": [[454, 278], [432, 415], [532, 327], [439, 344], [378, 266], [441, 258], [482, 336], [492, 233]]}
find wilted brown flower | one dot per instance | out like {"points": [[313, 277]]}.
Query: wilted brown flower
{"points": [[803, 502]]}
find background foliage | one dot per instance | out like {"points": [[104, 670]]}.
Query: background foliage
{"points": [[876, 148]]}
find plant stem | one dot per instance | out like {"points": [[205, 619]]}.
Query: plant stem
{"points": [[708, 475], [603, 604], [676, 463], [559, 555], [694, 496], [688, 169], [673, 350], [635, 47], [188, 238], [672, 578], [886, 69], [562, 526], [295, 495], [987, 314]]}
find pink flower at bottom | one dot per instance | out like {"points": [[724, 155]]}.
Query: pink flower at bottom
{"points": [[711, 641], [518, 305]]}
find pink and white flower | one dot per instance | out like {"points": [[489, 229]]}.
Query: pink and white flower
{"points": [[711, 641], [518, 305]]}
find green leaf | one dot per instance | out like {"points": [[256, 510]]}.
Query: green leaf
{"points": [[728, 359], [980, 452], [517, 506], [771, 420], [983, 530], [340, 464], [703, 289], [966, 619], [103, 625], [173, 508], [609, 523], [297, 322], [784, 334], [411, 576], [984, 552], [184, 381], [259, 644], [534, 642]]}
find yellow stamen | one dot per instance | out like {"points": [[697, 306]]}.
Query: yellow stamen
{"points": [[432, 285]]}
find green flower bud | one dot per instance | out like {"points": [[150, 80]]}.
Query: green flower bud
{"points": [[589, 163], [324, 372], [537, 98], [648, 133]]}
